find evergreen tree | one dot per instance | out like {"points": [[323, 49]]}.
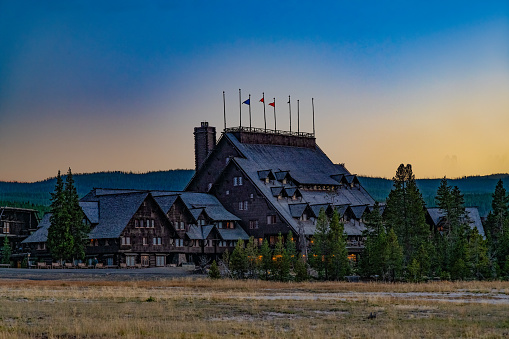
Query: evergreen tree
{"points": [[6, 251], [320, 247], [405, 212], [338, 254], [301, 270], [266, 254], [291, 250], [479, 260], [214, 272], [253, 261], [393, 257], [372, 259], [282, 261], [60, 240], [496, 225], [78, 229], [238, 261]]}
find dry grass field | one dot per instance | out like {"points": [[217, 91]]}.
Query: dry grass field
{"points": [[200, 308]]}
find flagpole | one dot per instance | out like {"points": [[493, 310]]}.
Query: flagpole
{"points": [[240, 109], [290, 111], [249, 112], [224, 111], [275, 129], [264, 118], [298, 118], [313, 105]]}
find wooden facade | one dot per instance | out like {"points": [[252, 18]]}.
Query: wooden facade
{"points": [[16, 224]]}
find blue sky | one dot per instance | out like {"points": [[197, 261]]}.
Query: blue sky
{"points": [[120, 86]]}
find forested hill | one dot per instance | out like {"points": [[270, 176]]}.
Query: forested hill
{"points": [[39, 192], [477, 189]]}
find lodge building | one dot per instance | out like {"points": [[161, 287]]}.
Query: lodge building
{"points": [[251, 183]]}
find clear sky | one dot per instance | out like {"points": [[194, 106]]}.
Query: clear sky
{"points": [[120, 85]]}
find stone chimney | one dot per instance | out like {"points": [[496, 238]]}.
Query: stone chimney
{"points": [[204, 143]]}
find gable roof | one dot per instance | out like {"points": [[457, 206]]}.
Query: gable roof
{"points": [[296, 210], [91, 210], [116, 210], [436, 215], [41, 234]]}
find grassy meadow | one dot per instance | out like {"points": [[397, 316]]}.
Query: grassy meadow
{"points": [[201, 308]]}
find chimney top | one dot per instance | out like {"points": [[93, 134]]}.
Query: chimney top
{"points": [[204, 124]]}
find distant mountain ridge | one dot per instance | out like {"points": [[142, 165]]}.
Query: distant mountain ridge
{"points": [[477, 189]]}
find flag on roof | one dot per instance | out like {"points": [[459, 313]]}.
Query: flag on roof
{"points": [[261, 100], [273, 104], [247, 102]]}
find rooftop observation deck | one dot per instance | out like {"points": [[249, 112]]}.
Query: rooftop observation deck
{"points": [[253, 135]]}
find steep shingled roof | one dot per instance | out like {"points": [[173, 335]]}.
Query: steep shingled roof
{"points": [[306, 166], [41, 234], [116, 210], [473, 215]]}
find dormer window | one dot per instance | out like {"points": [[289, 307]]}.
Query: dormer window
{"points": [[267, 180]]}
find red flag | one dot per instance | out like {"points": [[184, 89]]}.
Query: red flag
{"points": [[261, 100], [273, 104]]}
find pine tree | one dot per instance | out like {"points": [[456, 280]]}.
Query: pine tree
{"points": [[78, 229], [214, 272], [301, 270], [479, 260], [372, 259], [320, 247], [253, 261], [291, 250], [281, 261], [393, 257], [266, 264], [495, 226], [6, 251], [405, 212], [238, 261], [60, 240], [338, 255]]}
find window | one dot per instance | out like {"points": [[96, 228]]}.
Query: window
{"points": [[241, 206], [304, 217], [156, 241], [235, 182], [126, 241], [227, 160], [271, 219], [141, 223], [109, 261], [253, 224], [41, 246], [136, 223], [229, 224], [245, 205], [160, 261], [252, 196], [209, 186], [272, 240], [240, 181], [130, 260], [227, 192], [153, 223], [145, 241], [145, 260], [267, 180], [222, 243], [6, 228], [181, 225], [179, 242]]}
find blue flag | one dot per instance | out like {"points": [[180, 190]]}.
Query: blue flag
{"points": [[247, 102]]}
